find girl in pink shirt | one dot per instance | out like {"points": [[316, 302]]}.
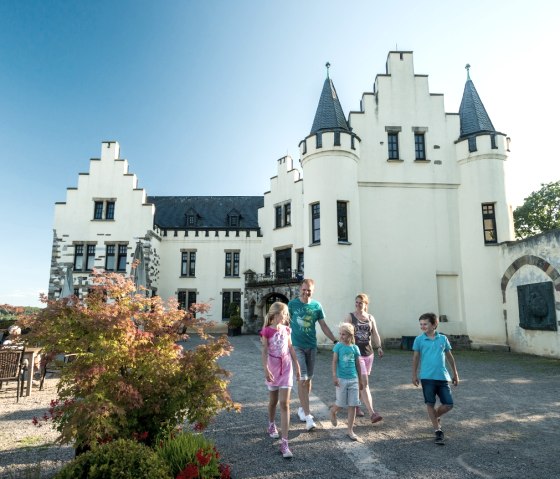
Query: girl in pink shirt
{"points": [[278, 357]]}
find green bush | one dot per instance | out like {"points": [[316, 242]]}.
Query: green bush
{"points": [[190, 451], [121, 459]]}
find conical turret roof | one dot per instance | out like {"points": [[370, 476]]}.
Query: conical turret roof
{"points": [[329, 115], [472, 113]]}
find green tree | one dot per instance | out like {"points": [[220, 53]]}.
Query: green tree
{"points": [[540, 212], [130, 378]]}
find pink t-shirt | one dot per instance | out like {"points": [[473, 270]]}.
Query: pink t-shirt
{"points": [[279, 359]]}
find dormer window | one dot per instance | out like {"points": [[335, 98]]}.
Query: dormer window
{"points": [[233, 219], [191, 218]]}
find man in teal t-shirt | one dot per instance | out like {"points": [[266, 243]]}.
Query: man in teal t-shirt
{"points": [[304, 315]]}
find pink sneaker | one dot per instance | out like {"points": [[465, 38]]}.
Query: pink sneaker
{"points": [[272, 431], [285, 450]]}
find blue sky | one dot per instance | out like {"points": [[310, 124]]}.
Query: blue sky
{"points": [[205, 95]]}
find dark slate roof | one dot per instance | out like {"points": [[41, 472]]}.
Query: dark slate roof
{"points": [[209, 211], [329, 115], [472, 113]]}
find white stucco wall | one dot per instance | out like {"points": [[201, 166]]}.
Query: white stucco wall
{"points": [[533, 260], [108, 179]]}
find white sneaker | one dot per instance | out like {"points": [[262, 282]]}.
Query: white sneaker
{"points": [[301, 414], [309, 423]]}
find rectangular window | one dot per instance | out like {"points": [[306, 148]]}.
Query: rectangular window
{"points": [[98, 210], [493, 144], [267, 266], [315, 223], [104, 209], [278, 217], [232, 263], [78, 257], [420, 146], [284, 263], [229, 297], [282, 215], [489, 223], [319, 140], [337, 138], [393, 145], [182, 299], [191, 299], [186, 299], [342, 220], [287, 214], [472, 143], [90, 258], [121, 258], [188, 263], [110, 212], [300, 262], [110, 257]]}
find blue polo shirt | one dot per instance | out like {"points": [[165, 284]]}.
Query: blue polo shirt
{"points": [[432, 356]]}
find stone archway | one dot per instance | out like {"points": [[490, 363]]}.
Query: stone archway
{"points": [[258, 300], [531, 260]]}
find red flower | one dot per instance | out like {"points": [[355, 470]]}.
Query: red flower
{"points": [[189, 472], [35, 421], [216, 453], [199, 427], [203, 459], [140, 436], [225, 471]]}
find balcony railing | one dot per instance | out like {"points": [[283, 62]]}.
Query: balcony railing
{"points": [[288, 277]]}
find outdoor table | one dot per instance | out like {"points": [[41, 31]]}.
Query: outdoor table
{"points": [[30, 354]]}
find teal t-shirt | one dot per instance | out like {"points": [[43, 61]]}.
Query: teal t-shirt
{"points": [[346, 365], [432, 356], [303, 318]]}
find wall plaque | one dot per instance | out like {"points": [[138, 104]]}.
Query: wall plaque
{"points": [[537, 307]]}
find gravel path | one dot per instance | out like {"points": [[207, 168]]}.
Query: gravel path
{"points": [[23, 445], [506, 424]]}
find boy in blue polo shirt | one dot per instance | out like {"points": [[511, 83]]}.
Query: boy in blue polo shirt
{"points": [[431, 349]]}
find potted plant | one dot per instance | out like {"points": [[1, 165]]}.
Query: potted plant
{"points": [[235, 322]]}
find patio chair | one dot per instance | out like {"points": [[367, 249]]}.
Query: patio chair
{"points": [[12, 367]]}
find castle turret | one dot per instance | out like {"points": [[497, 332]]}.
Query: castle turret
{"points": [[484, 212], [329, 160]]}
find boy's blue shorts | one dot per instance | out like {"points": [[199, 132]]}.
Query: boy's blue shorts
{"points": [[433, 387]]}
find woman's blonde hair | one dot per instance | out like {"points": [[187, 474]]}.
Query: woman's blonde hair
{"points": [[276, 308], [347, 328], [363, 297]]}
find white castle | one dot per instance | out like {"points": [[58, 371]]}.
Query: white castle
{"points": [[399, 200]]}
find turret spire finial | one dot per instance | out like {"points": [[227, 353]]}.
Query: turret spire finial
{"points": [[468, 67], [328, 65]]}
